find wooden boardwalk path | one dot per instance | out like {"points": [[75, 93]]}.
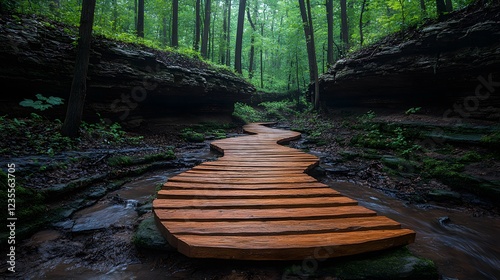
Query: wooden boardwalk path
{"points": [[256, 203]]}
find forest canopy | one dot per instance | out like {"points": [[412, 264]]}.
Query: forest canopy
{"points": [[273, 49]]}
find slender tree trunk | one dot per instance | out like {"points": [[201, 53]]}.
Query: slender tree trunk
{"points": [[311, 51], [140, 19], [115, 16], [212, 36], [228, 42], [329, 20], [175, 23], [206, 29], [449, 6], [423, 8], [403, 18], [261, 57], [164, 31], [239, 37], [344, 25], [76, 101], [224, 36], [197, 26], [440, 7], [252, 43], [361, 39]]}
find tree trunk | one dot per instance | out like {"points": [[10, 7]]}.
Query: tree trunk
{"points": [[76, 101], [252, 43], [164, 31], [344, 26], [197, 26], [423, 8], [261, 55], [115, 16], [224, 36], [206, 29], [305, 12], [239, 37], [228, 42], [329, 20], [175, 23], [140, 19], [440, 7], [449, 6], [361, 39]]}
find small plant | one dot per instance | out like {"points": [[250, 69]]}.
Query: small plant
{"points": [[413, 110], [192, 136], [43, 103], [120, 161]]}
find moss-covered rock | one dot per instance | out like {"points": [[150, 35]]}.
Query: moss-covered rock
{"points": [[391, 264], [149, 237]]}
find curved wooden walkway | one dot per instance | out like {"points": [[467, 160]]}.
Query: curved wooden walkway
{"points": [[256, 203]]}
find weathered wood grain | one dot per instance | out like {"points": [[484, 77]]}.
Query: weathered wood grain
{"points": [[257, 203]]}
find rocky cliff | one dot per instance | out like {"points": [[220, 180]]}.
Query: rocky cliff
{"points": [[453, 64], [125, 80]]}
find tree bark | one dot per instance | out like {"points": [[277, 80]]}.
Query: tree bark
{"points": [[252, 43], [197, 26], [206, 29], [449, 6], [239, 37], [361, 39], [228, 42], [175, 23], [78, 91], [305, 12], [423, 8], [440, 7], [344, 25], [329, 20], [140, 19]]}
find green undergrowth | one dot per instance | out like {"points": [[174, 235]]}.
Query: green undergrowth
{"points": [[36, 134], [27, 206], [206, 130]]}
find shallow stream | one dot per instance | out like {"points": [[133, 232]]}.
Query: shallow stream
{"points": [[96, 242]]}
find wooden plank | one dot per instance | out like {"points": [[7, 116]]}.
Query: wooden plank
{"points": [[244, 194], [280, 227], [293, 247], [237, 181], [247, 186], [263, 214], [256, 203], [207, 203]]}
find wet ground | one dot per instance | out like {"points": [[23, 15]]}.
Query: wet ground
{"points": [[97, 242]]}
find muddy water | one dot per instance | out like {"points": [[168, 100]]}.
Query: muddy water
{"points": [[462, 246]]}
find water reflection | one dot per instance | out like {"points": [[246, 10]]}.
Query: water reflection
{"points": [[462, 246]]}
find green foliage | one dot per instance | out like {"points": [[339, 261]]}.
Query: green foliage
{"points": [[120, 161], [380, 136], [247, 113], [471, 156], [413, 110], [167, 155], [29, 203], [492, 139], [110, 134], [278, 110], [32, 136], [43, 103], [449, 172], [190, 135]]}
